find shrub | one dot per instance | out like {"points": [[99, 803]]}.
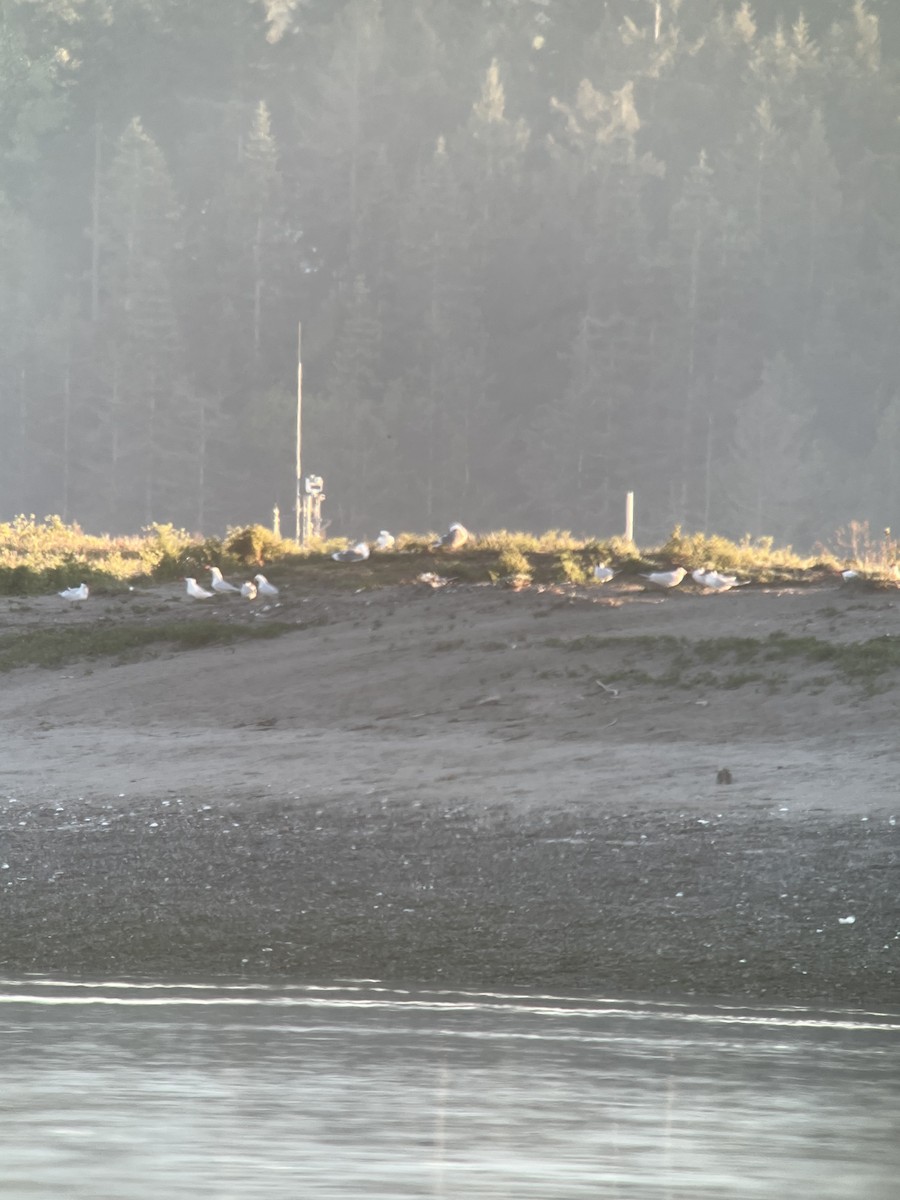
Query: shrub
{"points": [[572, 569], [513, 563], [255, 545]]}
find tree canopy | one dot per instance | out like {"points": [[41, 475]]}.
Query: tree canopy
{"points": [[544, 253]]}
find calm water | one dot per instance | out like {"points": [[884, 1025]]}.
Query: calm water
{"points": [[127, 1091]]}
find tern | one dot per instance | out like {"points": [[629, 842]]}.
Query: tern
{"points": [[713, 581], [720, 583], [384, 541], [195, 591], [357, 553], [666, 579], [457, 535], [219, 584], [75, 593], [248, 589], [264, 587], [603, 573]]}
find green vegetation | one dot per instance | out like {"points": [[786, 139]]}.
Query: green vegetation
{"points": [[56, 647], [42, 556], [513, 565], [682, 662]]}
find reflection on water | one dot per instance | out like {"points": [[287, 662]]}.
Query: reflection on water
{"points": [[128, 1091]]}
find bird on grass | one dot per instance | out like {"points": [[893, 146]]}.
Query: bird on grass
{"points": [[457, 535], [75, 593], [264, 587], [665, 579], [194, 590], [219, 584], [384, 541], [357, 553], [249, 590], [603, 573]]}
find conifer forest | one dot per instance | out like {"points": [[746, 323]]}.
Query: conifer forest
{"points": [[544, 252]]}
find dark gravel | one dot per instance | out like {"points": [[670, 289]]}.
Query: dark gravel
{"points": [[643, 903]]}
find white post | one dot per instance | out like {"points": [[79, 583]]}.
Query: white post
{"points": [[629, 516], [299, 496]]}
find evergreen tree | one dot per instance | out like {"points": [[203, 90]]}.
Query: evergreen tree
{"points": [[343, 420], [143, 426], [773, 472]]}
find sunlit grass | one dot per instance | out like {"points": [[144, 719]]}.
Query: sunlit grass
{"points": [[43, 556]]}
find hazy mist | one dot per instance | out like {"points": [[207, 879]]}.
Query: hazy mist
{"points": [[544, 252]]}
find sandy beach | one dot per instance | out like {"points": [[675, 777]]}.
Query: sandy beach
{"points": [[464, 784]]}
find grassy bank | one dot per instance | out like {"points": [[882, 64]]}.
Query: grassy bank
{"points": [[123, 643], [42, 556], [732, 662]]}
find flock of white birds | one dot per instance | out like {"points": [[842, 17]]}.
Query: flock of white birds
{"points": [[457, 535], [713, 581], [250, 589]]}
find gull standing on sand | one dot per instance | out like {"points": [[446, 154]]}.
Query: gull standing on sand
{"points": [[457, 535], [264, 587], [603, 573], [384, 541], [194, 590], [248, 590], [219, 584], [75, 593], [666, 579], [357, 553]]}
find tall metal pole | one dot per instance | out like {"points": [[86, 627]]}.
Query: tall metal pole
{"points": [[298, 501]]}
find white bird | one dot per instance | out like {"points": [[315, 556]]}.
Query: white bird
{"points": [[264, 587], [357, 553], [248, 589], [75, 593], [720, 583], [219, 584], [603, 573], [713, 581], [457, 535], [666, 579], [384, 541], [195, 591]]}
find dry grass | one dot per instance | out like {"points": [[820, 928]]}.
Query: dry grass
{"points": [[44, 556]]}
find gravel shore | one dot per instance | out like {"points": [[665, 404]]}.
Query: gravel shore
{"points": [[431, 788], [755, 906]]}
